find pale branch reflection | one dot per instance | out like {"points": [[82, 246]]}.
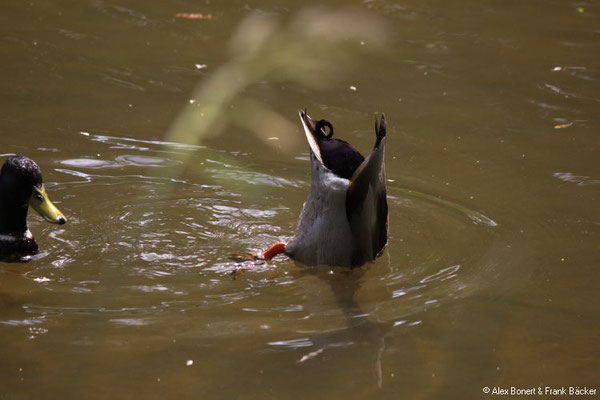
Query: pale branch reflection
{"points": [[311, 49]]}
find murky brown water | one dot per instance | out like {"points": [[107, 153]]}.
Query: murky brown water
{"points": [[490, 277]]}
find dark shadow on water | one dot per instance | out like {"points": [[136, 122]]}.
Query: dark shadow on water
{"points": [[362, 329]]}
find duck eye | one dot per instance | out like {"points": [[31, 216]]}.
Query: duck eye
{"points": [[39, 197]]}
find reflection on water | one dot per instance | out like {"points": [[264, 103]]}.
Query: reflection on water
{"points": [[490, 274]]}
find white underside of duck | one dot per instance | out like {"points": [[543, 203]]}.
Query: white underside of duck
{"points": [[323, 236]]}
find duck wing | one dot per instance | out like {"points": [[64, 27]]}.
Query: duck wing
{"points": [[366, 202]]}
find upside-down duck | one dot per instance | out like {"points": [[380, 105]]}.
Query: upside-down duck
{"points": [[344, 221], [21, 186]]}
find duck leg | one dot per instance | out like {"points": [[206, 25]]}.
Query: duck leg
{"points": [[277, 248]]}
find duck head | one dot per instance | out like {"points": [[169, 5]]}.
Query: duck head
{"points": [[21, 186]]}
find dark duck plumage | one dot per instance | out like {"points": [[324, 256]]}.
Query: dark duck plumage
{"points": [[21, 186], [344, 220]]}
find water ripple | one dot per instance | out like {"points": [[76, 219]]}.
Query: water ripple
{"points": [[579, 180], [292, 343]]}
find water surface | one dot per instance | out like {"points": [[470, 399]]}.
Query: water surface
{"points": [[490, 276]]}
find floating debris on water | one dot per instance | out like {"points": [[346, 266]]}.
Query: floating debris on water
{"points": [[562, 126]]}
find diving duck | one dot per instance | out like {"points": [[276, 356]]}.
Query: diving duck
{"points": [[344, 221], [20, 187]]}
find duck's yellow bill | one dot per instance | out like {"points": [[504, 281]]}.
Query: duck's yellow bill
{"points": [[41, 203]]}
